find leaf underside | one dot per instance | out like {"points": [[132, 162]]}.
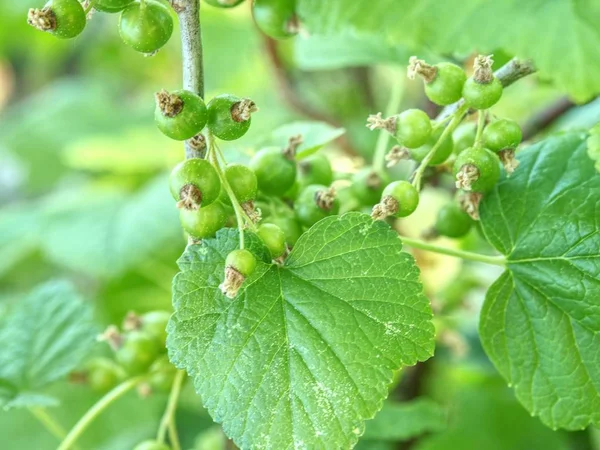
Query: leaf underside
{"points": [[305, 352]]}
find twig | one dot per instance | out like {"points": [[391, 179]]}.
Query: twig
{"points": [[49, 422], [546, 117]]}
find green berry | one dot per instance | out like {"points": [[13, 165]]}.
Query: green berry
{"points": [[147, 26], [151, 445], [224, 3], [138, 352], [442, 153], [63, 18], [413, 128], [180, 115], [204, 222], [452, 221], [482, 95], [103, 374], [242, 261], [229, 117], [155, 324], [289, 224], [111, 6], [447, 84], [502, 134], [314, 203], [367, 185], [162, 374], [195, 183], [315, 169], [464, 136], [243, 183], [273, 237], [275, 171], [276, 18], [476, 169], [406, 196]]}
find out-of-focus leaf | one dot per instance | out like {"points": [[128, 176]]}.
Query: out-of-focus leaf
{"points": [[593, 146], [19, 232], [314, 136]]}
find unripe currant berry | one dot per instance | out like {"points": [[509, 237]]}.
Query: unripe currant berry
{"points": [[243, 183], [476, 169], [63, 18], [273, 237], [229, 117], [180, 114], [155, 324], [162, 374], [464, 136], [502, 134], [452, 221], [276, 18], [146, 26], [194, 184], [314, 203], [412, 128], [205, 222], [138, 352], [224, 3], [239, 265], [111, 6], [289, 224], [483, 89], [103, 374], [275, 169], [367, 185], [441, 154], [443, 82], [315, 169], [152, 445], [399, 199]]}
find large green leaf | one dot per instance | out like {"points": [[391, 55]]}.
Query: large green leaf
{"points": [[527, 29], [540, 323], [305, 352], [46, 336]]}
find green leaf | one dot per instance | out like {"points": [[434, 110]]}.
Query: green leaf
{"points": [[107, 234], [593, 146], [306, 351], [527, 29], [540, 323], [45, 337], [401, 421], [19, 235], [314, 136]]}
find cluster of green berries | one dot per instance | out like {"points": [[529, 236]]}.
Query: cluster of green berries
{"points": [[140, 348]]}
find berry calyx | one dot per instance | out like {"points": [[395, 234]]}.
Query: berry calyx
{"points": [[194, 183], [205, 222], [137, 352], [316, 202], [502, 134], [483, 89], [239, 265], [396, 154], [111, 6], [476, 169], [275, 169], [443, 82], [63, 18], [399, 199], [273, 237], [152, 445], [412, 128], [224, 3], [146, 26], [452, 221], [276, 18], [229, 117], [443, 151], [367, 185], [243, 183], [180, 114]]}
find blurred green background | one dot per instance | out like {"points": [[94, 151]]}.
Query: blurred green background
{"points": [[83, 196]]}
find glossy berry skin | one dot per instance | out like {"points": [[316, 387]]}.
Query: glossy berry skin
{"points": [[155, 324], [405, 194], [151, 445], [315, 169], [486, 162], [224, 3], [221, 121], [111, 6], [200, 173], [307, 209], [204, 222], [138, 352], [446, 88], [502, 134], [452, 221], [464, 136], [364, 189], [188, 122], [441, 154], [103, 374], [413, 128], [274, 171], [241, 260], [146, 27], [288, 224], [70, 18], [482, 96], [275, 18], [273, 237], [243, 183]]}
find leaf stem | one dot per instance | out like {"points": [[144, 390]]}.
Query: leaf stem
{"points": [[168, 418], [48, 422], [89, 7], [96, 410], [384, 135], [470, 256]]}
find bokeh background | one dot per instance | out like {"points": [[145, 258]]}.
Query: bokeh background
{"points": [[83, 196]]}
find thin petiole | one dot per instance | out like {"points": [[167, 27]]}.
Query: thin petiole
{"points": [[48, 422], [168, 418], [470, 256], [384, 136], [480, 126]]}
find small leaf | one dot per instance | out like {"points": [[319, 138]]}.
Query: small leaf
{"points": [[540, 322], [45, 337], [314, 136], [305, 352]]}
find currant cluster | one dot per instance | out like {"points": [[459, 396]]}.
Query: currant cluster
{"points": [[140, 348], [474, 153]]}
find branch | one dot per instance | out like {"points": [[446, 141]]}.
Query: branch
{"points": [[191, 49], [544, 118], [510, 72]]}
